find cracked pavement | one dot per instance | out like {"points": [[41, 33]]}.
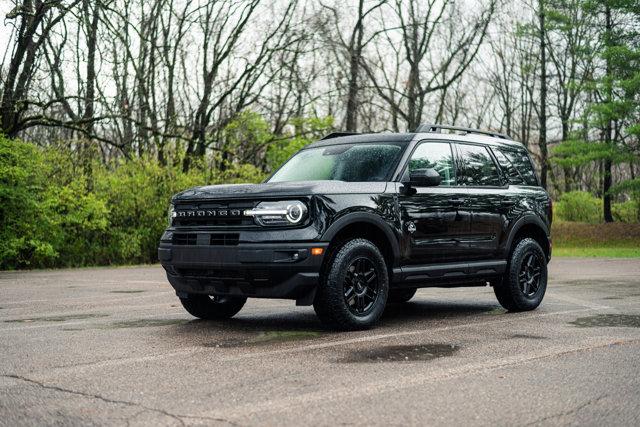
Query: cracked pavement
{"points": [[113, 346]]}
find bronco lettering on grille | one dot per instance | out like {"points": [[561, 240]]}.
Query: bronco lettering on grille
{"points": [[207, 213]]}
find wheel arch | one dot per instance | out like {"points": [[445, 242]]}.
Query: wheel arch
{"points": [[369, 226], [533, 227]]}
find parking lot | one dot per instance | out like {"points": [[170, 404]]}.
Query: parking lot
{"points": [[114, 346]]}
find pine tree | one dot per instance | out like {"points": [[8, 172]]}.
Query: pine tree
{"points": [[614, 110]]}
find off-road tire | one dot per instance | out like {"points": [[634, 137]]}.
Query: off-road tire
{"points": [[509, 290], [212, 307], [397, 296], [330, 303]]}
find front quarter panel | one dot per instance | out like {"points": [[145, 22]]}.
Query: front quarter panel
{"points": [[338, 211]]}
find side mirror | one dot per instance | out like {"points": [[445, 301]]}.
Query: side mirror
{"points": [[422, 178]]}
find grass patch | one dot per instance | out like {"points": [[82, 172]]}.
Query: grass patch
{"points": [[597, 252], [610, 240]]}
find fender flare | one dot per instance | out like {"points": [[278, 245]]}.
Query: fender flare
{"points": [[366, 217], [526, 220]]}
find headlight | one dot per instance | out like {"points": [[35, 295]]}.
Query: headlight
{"points": [[289, 212], [170, 214]]}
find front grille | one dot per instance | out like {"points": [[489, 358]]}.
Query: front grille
{"points": [[213, 214], [226, 239], [216, 239], [213, 222], [185, 238]]}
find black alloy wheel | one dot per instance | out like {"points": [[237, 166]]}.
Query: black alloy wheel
{"points": [[354, 285], [529, 275], [523, 285], [361, 286]]}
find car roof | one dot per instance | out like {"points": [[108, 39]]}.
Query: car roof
{"points": [[363, 138], [412, 136], [470, 137]]}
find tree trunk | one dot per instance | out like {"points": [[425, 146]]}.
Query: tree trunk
{"points": [[91, 19], [606, 181], [354, 72], [566, 170], [413, 121], [542, 139]]}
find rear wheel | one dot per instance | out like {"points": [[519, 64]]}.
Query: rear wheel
{"points": [[401, 295], [353, 288], [523, 285], [210, 307]]}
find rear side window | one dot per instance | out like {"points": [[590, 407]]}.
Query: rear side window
{"points": [[516, 166], [477, 167]]}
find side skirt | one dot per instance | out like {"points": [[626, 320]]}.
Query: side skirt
{"points": [[464, 273]]}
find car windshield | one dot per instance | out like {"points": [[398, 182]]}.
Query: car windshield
{"points": [[346, 162]]}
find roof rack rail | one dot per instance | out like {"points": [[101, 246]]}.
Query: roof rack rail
{"points": [[338, 134], [435, 128]]}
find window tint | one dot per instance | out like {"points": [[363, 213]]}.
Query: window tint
{"points": [[517, 166], [477, 166], [435, 155]]}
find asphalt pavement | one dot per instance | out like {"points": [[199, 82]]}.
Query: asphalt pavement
{"points": [[113, 346]]}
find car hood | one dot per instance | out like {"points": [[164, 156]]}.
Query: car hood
{"points": [[279, 189]]}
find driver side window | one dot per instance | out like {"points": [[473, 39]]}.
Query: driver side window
{"points": [[435, 155]]}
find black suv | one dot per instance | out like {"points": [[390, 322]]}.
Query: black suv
{"points": [[356, 221]]}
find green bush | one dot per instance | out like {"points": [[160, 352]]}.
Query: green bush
{"points": [[79, 221], [628, 211], [579, 206], [25, 234], [54, 216], [310, 129]]}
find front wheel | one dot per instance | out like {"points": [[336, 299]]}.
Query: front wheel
{"points": [[523, 285], [211, 307], [353, 288]]}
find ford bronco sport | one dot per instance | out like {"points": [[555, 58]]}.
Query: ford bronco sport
{"points": [[356, 221]]}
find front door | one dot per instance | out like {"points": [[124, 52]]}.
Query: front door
{"points": [[435, 218]]}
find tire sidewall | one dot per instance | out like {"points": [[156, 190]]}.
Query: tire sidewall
{"points": [[336, 273], [203, 307], [523, 248]]}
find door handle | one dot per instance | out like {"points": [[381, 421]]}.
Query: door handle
{"points": [[457, 202]]}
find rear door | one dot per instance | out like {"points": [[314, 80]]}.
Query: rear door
{"points": [[486, 188]]}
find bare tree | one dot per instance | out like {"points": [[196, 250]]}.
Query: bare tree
{"points": [[350, 51], [422, 27], [222, 25], [33, 22], [542, 109]]}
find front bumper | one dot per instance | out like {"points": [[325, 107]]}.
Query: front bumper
{"points": [[261, 270]]}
